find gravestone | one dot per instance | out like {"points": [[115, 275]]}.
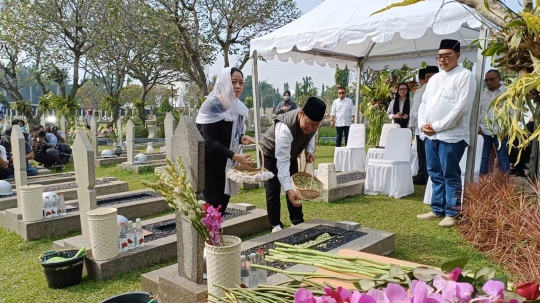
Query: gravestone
{"points": [[169, 133], [188, 143], [261, 111], [130, 144], [93, 134], [63, 125], [250, 118], [18, 152], [151, 126], [269, 113], [85, 176], [119, 130]]}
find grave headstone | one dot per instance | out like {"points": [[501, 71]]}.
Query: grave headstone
{"points": [[18, 149], [250, 118], [130, 144], [269, 113], [85, 176], [63, 124], [188, 143], [169, 133], [93, 134], [119, 130], [261, 111]]}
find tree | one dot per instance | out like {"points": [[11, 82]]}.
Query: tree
{"points": [[234, 23], [304, 90], [192, 98], [90, 95], [165, 107], [249, 102], [341, 77]]}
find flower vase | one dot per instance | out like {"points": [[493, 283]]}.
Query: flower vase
{"points": [[150, 148], [223, 265], [117, 150]]}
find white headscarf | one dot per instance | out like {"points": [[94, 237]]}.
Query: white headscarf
{"points": [[222, 104]]}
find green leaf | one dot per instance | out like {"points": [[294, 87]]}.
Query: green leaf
{"points": [[516, 23], [486, 271], [481, 280], [364, 284], [516, 39], [396, 271], [425, 274], [509, 295], [450, 265]]}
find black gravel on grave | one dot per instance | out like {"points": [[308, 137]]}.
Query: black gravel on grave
{"points": [[46, 177], [64, 186], [345, 236], [103, 202], [354, 176], [171, 225]]}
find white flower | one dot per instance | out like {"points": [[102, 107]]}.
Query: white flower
{"points": [[177, 190]]}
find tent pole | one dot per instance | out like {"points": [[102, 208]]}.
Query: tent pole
{"points": [[475, 111], [359, 68], [256, 101]]}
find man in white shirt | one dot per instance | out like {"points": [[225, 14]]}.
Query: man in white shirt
{"points": [[444, 117], [291, 133], [88, 117], [341, 116], [494, 89], [424, 74]]}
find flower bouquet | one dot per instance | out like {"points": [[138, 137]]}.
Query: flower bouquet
{"points": [[376, 282], [222, 252]]}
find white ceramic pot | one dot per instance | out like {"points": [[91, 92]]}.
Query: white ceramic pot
{"points": [[223, 264], [31, 202], [102, 223]]}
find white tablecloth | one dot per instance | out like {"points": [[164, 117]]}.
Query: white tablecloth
{"points": [[378, 153], [350, 159]]}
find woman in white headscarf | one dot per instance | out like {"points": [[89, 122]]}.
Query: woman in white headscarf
{"points": [[221, 120]]}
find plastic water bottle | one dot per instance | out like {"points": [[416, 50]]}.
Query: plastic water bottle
{"points": [[253, 272], [62, 206], [131, 235], [244, 274], [139, 233], [54, 206], [123, 241], [263, 273], [48, 210]]}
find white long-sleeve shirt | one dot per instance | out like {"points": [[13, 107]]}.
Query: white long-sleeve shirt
{"points": [[485, 100], [343, 111], [447, 103], [417, 100], [284, 139]]}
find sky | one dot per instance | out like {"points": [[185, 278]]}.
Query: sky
{"points": [[276, 72]]}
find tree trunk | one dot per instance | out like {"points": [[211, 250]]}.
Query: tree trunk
{"points": [[145, 92], [226, 48]]}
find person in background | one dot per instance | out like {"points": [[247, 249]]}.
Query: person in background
{"points": [[342, 116], [494, 87], [444, 117], [285, 105], [221, 120], [88, 117], [5, 171], [22, 125], [46, 141], [30, 169], [399, 109], [519, 166], [291, 133], [424, 74]]}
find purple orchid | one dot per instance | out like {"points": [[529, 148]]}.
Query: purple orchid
{"points": [[212, 220], [453, 291]]}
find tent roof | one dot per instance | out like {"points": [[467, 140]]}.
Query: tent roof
{"points": [[339, 32]]}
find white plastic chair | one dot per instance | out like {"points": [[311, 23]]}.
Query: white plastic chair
{"points": [[353, 156], [463, 167], [384, 133], [392, 174]]}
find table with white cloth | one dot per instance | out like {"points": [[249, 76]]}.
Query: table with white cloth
{"points": [[378, 153]]}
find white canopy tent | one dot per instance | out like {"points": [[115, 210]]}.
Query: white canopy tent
{"points": [[343, 32]]}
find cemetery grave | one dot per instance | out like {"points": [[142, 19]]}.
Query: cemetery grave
{"points": [[172, 282], [48, 179]]}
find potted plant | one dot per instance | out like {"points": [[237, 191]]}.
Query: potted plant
{"points": [[222, 251]]}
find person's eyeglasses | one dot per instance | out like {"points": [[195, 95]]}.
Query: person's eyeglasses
{"points": [[341, 93], [490, 79], [444, 56]]}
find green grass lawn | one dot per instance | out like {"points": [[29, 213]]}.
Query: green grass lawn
{"points": [[425, 242]]}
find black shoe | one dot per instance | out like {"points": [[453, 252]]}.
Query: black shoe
{"points": [[419, 181], [517, 173]]}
